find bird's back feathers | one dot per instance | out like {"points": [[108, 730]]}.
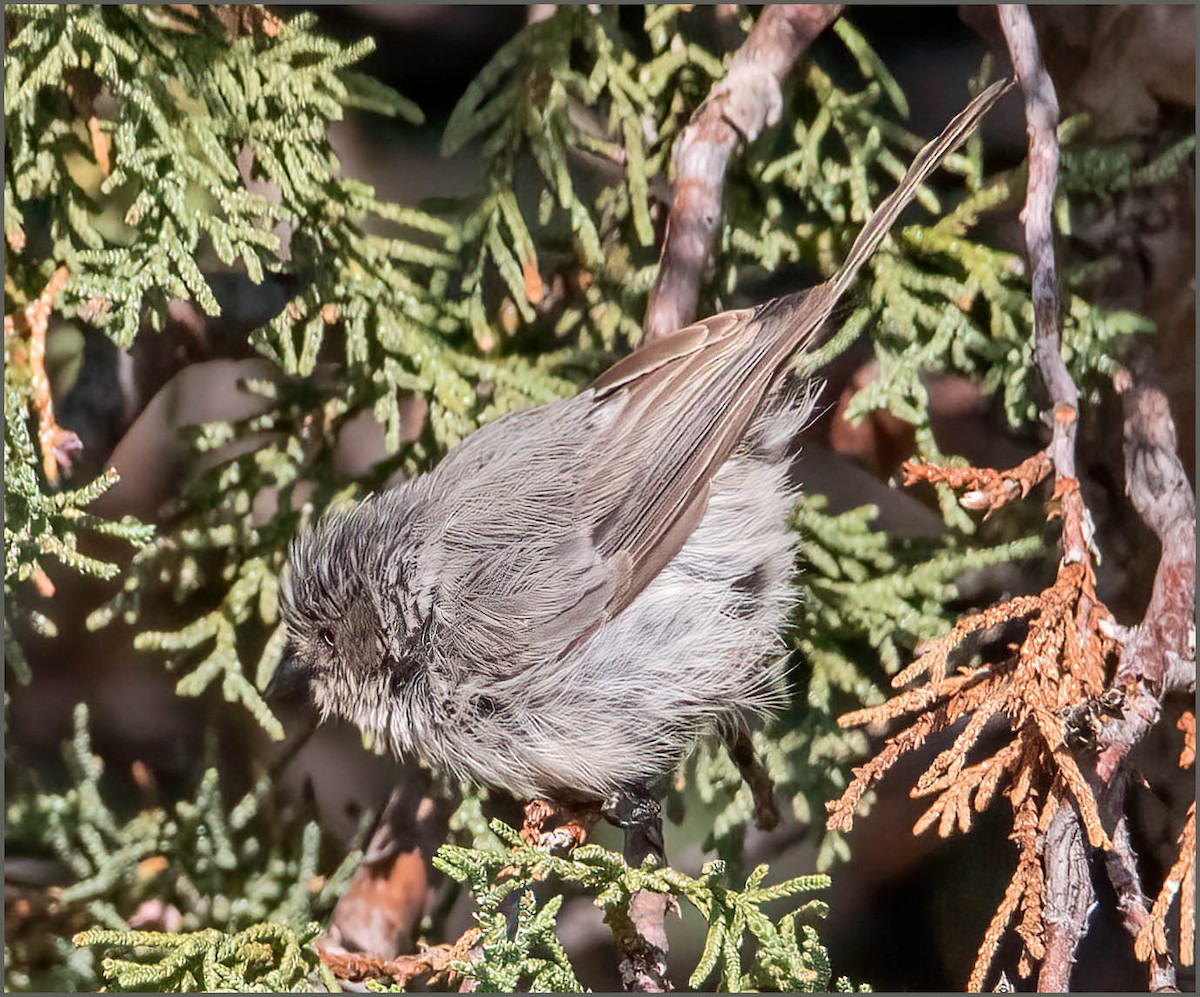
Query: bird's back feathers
{"points": [[617, 562]]}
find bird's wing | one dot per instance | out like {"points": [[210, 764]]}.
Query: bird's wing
{"points": [[677, 409], [508, 572], [551, 521], [681, 404], [546, 523]]}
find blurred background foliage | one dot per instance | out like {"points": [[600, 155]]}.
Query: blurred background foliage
{"points": [[306, 253]]}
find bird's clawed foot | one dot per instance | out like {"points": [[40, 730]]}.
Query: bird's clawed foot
{"points": [[556, 826], [639, 815]]}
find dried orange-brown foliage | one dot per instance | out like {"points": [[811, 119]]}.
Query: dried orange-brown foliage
{"points": [[57, 444], [1187, 724], [1059, 663], [984, 489], [1180, 882], [433, 963]]}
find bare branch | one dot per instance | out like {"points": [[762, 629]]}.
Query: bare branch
{"points": [[1070, 899], [1159, 655], [641, 938], [381, 910], [735, 112], [1041, 114], [1069, 895], [1162, 650]]}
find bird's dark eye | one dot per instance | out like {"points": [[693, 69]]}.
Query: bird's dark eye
{"points": [[326, 635]]}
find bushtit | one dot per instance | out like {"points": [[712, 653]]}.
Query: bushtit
{"points": [[579, 591]]}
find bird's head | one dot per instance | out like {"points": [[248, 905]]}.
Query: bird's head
{"points": [[336, 643]]}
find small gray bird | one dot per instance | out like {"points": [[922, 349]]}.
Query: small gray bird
{"points": [[579, 591]]}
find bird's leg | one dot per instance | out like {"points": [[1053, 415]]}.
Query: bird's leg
{"points": [[640, 929], [638, 813], [741, 750]]}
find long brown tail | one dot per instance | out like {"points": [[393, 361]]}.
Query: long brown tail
{"points": [[791, 323], [693, 393], [928, 160]]}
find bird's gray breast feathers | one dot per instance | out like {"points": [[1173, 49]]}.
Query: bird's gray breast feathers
{"points": [[526, 653], [587, 585]]}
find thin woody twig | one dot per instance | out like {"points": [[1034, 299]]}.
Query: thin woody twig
{"points": [[641, 938], [58, 445], [1068, 891], [984, 489], [754, 774], [1041, 112], [1159, 654], [735, 112], [640, 929]]}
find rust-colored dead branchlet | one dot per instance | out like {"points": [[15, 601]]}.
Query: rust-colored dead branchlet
{"points": [[58, 445], [1181, 883], [432, 963], [1061, 660], [984, 489]]}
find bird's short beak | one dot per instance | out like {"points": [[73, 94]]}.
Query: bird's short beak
{"points": [[289, 676]]}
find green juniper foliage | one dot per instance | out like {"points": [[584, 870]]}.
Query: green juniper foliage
{"points": [[226, 869], [788, 955], [148, 147], [264, 958], [40, 523]]}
